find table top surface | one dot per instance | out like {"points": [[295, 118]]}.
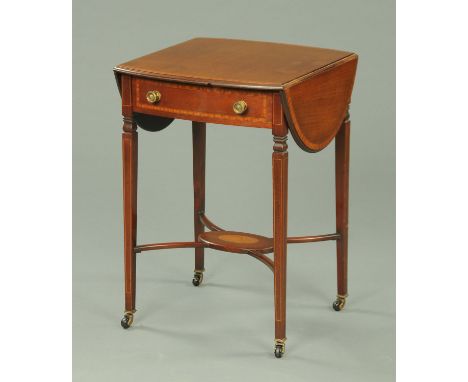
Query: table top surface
{"points": [[237, 63]]}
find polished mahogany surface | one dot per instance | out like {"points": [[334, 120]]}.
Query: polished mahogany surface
{"points": [[236, 63], [203, 103], [241, 242], [278, 87], [201, 79]]}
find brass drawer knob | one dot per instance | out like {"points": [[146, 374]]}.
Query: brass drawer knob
{"points": [[153, 96], [239, 107]]}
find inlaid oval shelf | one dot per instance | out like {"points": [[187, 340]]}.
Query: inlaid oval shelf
{"points": [[238, 242]]}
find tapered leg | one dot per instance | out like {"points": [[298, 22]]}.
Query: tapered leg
{"points": [[280, 210], [199, 158], [342, 196], [130, 166]]}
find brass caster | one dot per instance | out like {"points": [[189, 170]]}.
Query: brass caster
{"points": [[280, 348], [197, 278], [127, 320], [339, 303]]}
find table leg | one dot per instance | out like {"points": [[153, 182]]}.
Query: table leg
{"points": [[130, 167], [199, 159], [342, 196], [280, 204]]}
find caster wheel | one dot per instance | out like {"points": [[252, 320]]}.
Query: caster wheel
{"points": [[127, 320], [197, 278], [279, 351], [280, 348], [339, 303]]}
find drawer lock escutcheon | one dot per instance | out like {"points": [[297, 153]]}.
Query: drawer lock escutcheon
{"points": [[239, 107], [153, 96]]}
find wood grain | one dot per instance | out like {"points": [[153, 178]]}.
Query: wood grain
{"points": [[237, 242], [232, 63], [288, 88], [342, 148], [130, 157], [316, 106], [205, 104], [280, 213], [199, 160], [252, 245], [130, 172]]}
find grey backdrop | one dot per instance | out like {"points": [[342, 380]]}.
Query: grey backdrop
{"points": [[224, 330]]}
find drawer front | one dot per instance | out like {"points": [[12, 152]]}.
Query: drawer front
{"points": [[203, 103]]}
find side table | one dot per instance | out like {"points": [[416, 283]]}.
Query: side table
{"points": [[277, 87]]}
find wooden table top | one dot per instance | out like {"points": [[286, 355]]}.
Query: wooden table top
{"points": [[233, 63], [201, 79]]}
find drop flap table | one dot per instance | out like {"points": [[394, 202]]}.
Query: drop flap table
{"points": [[280, 88]]}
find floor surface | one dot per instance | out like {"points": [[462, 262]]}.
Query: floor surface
{"points": [[224, 330]]}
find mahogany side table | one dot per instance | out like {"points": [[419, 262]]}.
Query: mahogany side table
{"points": [[277, 87]]}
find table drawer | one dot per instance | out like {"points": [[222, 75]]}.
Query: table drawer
{"points": [[202, 103]]}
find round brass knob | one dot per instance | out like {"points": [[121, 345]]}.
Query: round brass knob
{"points": [[239, 107], [153, 96]]}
